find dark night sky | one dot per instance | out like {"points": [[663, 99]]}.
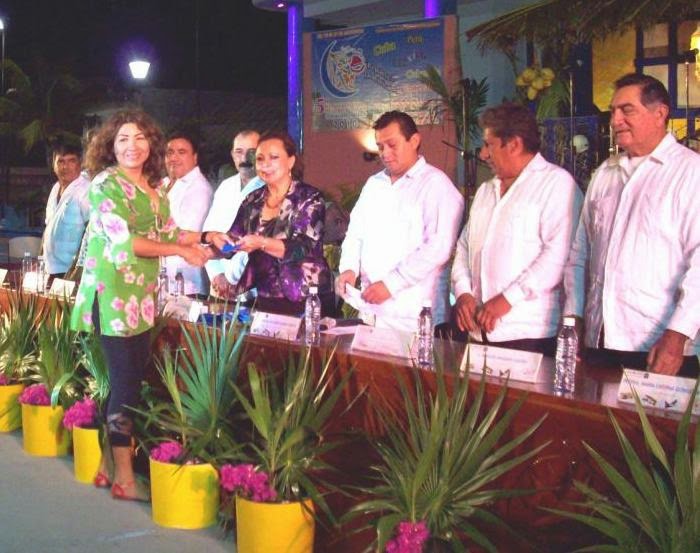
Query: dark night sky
{"points": [[241, 48]]}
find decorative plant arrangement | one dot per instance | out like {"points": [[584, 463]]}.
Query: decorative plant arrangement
{"points": [[657, 508], [435, 480], [535, 80], [55, 377], [289, 411], [191, 427], [86, 416]]}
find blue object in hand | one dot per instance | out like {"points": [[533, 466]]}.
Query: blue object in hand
{"points": [[229, 249]]}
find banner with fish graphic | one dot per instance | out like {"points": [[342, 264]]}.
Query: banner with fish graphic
{"points": [[359, 73]]}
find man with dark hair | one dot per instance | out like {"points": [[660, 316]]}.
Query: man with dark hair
{"points": [[511, 254], [190, 196], [634, 270], [225, 273], [67, 211], [402, 230]]}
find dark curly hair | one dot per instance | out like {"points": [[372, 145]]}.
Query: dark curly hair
{"points": [[100, 150], [290, 147]]}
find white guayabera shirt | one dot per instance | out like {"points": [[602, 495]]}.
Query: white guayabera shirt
{"points": [[634, 268], [190, 198], [403, 234], [517, 245]]}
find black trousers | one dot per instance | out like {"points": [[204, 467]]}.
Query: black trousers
{"points": [[126, 358]]}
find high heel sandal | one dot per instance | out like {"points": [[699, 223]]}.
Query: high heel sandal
{"points": [[119, 491], [102, 480]]}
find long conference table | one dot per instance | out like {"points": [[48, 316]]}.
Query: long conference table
{"points": [[570, 421]]}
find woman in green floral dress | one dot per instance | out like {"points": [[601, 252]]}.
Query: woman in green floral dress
{"points": [[130, 228]]}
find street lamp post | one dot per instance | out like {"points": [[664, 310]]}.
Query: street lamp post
{"points": [[2, 71]]}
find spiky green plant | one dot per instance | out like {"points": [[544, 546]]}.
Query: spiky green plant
{"points": [[18, 336], [59, 356], [439, 465], [96, 384], [199, 393], [290, 411], [656, 509]]}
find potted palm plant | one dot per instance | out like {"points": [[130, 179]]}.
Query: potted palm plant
{"points": [[190, 428], [656, 508], [85, 418], [56, 387], [276, 495], [438, 465], [18, 354]]}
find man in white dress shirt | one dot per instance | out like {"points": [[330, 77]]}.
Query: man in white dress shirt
{"points": [[190, 196], [634, 269], [402, 230], [67, 211], [223, 273], [510, 257]]}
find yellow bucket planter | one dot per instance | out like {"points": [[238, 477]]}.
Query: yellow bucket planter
{"points": [[274, 527], [10, 411], [44, 435], [184, 496], [87, 454]]}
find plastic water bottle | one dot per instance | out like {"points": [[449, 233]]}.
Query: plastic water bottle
{"points": [[312, 318], [40, 275], [26, 266], [179, 283], [162, 289], [565, 360], [425, 336]]}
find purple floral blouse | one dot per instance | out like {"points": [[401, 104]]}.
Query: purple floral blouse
{"points": [[123, 282], [300, 225]]}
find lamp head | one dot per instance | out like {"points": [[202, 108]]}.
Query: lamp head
{"points": [[139, 69]]}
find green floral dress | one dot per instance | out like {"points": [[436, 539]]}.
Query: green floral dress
{"points": [[124, 283]]}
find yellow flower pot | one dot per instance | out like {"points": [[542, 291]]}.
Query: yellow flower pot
{"points": [[10, 412], [44, 435], [274, 527], [184, 496], [87, 454]]}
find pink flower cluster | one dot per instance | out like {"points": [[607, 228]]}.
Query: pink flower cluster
{"points": [[36, 394], [410, 538], [4, 381], [82, 414], [166, 452], [247, 482]]}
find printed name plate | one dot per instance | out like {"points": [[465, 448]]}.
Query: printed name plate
{"points": [[503, 363], [3, 275], [31, 281], [658, 391], [62, 288], [196, 309], [386, 341], [271, 325]]}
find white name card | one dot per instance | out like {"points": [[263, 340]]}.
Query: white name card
{"points": [[271, 325], [62, 288], [386, 341], [514, 364], [30, 281], [3, 275], [658, 391]]}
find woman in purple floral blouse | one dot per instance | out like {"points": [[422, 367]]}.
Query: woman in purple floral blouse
{"points": [[130, 228], [281, 227]]}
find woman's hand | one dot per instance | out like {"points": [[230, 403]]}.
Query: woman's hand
{"points": [[196, 254], [219, 239], [251, 242]]}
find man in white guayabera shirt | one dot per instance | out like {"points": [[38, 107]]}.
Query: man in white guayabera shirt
{"points": [[402, 230], [634, 269], [189, 194], [510, 257], [67, 211], [225, 273]]}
